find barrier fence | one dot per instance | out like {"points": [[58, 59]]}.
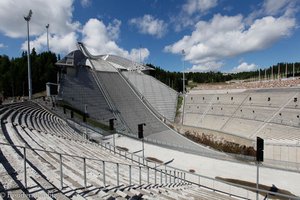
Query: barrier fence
{"points": [[149, 172]]}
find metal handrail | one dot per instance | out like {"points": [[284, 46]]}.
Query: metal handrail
{"points": [[104, 162], [213, 179], [155, 168]]}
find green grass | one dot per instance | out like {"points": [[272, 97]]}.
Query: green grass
{"points": [[179, 103], [192, 84]]}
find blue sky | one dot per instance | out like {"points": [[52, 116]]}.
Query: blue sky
{"points": [[218, 35]]}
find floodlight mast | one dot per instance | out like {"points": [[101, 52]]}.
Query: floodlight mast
{"points": [[47, 27], [183, 77], [27, 18]]}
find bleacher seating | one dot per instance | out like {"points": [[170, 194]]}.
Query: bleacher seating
{"points": [[247, 114], [160, 96], [104, 101], [79, 89], [43, 133], [134, 112], [283, 83]]}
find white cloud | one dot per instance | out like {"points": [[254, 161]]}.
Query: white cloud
{"points": [[85, 3], [192, 6], [228, 36], [2, 45], [55, 12], [272, 7], [191, 12], [136, 54], [205, 67], [57, 43], [149, 25], [113, 29], [98, 39], [244, 67], [64, 32]]}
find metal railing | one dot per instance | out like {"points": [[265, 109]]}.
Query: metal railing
{"points": [[216, 185], [160, 173], [143, 170], [169, 172]]}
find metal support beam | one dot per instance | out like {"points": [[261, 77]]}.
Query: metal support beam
{"points": [[28, 56], [148, 175], [174, 176], [84, 171], [129, 174], [61, 171], [118, 181], [140, 175], [166, 176], [155, 176], [161, 176], [103, 173], [25, 170]]}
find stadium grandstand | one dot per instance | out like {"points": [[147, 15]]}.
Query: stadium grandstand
{"points": [[272, 114], [122, 92], [84, 142]]}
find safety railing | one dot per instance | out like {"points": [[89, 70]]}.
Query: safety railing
{"points": [[131, 173], [169, 172], [148, 172], [216, 185]]}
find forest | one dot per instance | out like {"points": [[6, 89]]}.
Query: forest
{"points": [[174, 79], [13, 74]]}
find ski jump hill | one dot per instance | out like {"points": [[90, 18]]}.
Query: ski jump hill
{"points": [[108, 87]]}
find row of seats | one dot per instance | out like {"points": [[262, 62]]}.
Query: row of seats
{"points": [[282, 83], [160, 96], [80, 90], [263, 99], [247, 114], [134, 112], [85, 90], [28, 124]]}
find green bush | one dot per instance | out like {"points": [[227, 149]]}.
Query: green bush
{"points": [[225, 146]]}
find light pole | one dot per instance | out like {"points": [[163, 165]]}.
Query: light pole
{"points": [[47, 27], [278, 76], [183, 78], [111, 128], [141, 136], [140, 54], [293, 71], [286, 70], [27, 18]]}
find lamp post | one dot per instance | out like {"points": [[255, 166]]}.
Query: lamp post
{"points": [[278, 76], [286, 70], [47, 27], [111, 128], [183, 78], [27, 18], [293, 71], [141, 136]]}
